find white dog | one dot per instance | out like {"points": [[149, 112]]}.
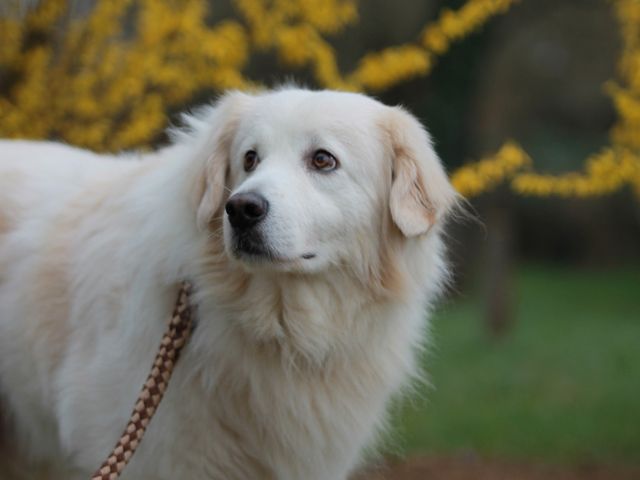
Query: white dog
{"points": [[310, 225]]}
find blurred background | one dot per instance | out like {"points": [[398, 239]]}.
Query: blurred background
{"points": [[534, 106]]}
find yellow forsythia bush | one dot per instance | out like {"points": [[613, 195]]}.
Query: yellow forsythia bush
{"points": [[106, 80]]}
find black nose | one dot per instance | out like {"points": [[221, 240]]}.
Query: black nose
{"points": [[246, 209]]}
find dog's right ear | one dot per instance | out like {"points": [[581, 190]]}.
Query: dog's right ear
{"points": [[219, 125], [421, 194]]}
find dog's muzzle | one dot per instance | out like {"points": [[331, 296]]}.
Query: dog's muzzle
{"points": [[245, 212]]}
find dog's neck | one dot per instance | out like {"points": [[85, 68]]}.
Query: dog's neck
{"points": [[299, 318]]}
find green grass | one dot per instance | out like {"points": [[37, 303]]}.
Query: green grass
{"points": [[562, 385]]}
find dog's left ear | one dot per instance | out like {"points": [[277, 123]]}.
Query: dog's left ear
{"points": [[421, 194], [220, 124]]}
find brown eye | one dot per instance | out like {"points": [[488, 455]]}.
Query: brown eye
{"points": [[251, 160], [324, 161]]}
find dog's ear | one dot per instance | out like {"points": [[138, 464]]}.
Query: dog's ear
{"points": [[220, 124], [421, 194]]}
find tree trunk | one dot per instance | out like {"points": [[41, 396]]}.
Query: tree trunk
{"points": [[499, 311]]}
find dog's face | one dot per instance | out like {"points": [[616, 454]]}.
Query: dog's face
{"points": [[305, 172], [313, 177]]}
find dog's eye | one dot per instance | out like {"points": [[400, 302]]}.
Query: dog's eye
{"points": [[324, 161], [251, 160]]}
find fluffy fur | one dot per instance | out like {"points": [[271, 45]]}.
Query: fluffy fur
{"points": [[295, 354]]}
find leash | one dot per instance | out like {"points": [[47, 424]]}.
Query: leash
{"points": [[153, 389]]}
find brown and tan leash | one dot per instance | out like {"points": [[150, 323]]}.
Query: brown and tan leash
{"points": [[153, 389]]}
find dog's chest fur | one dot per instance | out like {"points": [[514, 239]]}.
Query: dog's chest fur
{"points": [[258, 408], [290, 406]]}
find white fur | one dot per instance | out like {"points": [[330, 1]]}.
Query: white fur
{"points": [[293, 360]]}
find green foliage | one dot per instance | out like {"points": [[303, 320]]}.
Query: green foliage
{"points": [[564, 386]]}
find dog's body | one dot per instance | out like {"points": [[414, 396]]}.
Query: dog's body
{"points": [[309, 314]]}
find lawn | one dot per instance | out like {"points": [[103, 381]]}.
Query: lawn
{"points": [[562, 386]]}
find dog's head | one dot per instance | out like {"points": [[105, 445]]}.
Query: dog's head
{"points": [[307, 181]]}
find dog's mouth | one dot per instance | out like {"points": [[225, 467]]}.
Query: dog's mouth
{"points": [[252, 247]]}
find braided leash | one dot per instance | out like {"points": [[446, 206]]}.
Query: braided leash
{"points": [[153, 389]]}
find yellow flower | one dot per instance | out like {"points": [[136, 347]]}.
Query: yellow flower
{"points": [[478, 177], [381, 70]]}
